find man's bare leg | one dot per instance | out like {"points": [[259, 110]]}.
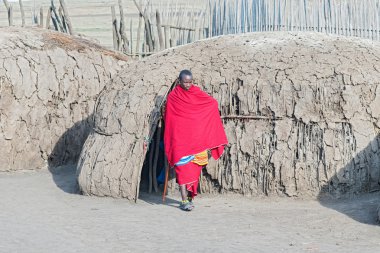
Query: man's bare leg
{"points": [[185, 205], [183, 190]]}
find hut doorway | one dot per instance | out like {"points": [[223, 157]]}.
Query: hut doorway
{"points": [[155, 163]]}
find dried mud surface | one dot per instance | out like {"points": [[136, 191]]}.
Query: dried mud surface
{"points": [[313, 108], [48, 86]]}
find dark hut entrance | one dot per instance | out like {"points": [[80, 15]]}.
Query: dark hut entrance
{"points": [[155, 163], [153, 170]]}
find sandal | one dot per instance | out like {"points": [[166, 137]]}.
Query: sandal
{"points": [[186, 205]]}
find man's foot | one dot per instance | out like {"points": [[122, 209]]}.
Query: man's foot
{"points": [[190, 199], [186, 205]]}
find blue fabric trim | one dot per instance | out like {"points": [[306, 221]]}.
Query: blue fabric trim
{"points": [[185, 160]]}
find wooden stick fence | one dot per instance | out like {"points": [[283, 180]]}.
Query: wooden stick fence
{"points": [[61, 19], [342, 17], [173, 24], [168, 23]]}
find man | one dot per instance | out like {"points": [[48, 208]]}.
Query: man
{"points": [[193, 131]]}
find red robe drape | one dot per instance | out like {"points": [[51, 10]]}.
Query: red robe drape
{"points": [[192, 125]]}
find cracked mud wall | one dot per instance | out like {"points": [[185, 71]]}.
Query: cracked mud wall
{"points": [[299, 110], [48, 85]]}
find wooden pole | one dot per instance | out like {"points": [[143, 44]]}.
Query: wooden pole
{"points": [[139, 35], [143, 50], [131, 36], [41, 17], [203, 26], [67, 17], [357, 19], [334, 18], [22, 13], [56, 20], [62, 17], [170, 175], [251, 16], [48, 17], [159, 30], [193, 25], [180, 27], [377, 13], [167, 168], [210, 29], [201, 181], [10, 15], [149, 34], [123, 35], [167, 36], [115, 30], [147, 27], [6, 4], [7, 7], [373, 19], [54, 23], [151, 152], [156, 153], [249, 117], [148, 38]]}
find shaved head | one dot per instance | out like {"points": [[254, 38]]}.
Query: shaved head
{"points": [[184, 73]]}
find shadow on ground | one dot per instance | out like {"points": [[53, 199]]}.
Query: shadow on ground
{"points": [[156, 199], [62, 160], [65, 178], [355, 189]]}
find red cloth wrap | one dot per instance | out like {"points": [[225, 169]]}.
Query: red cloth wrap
{"points": [[188, 175], [192, 125]]}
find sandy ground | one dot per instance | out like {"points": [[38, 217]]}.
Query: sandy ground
{"points": [[40, 212]]}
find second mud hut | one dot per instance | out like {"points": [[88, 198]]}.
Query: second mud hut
{"points": [[301, 111]]}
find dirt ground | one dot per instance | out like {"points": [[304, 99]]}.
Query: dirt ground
{"points": [[40, 212]]}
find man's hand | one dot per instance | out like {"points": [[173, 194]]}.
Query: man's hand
{"points": [[208, 153], [163, 108]]}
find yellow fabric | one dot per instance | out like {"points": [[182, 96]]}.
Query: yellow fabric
{"points": [[201, 158]]}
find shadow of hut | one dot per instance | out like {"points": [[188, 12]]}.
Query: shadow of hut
{"points": [[65, 154], [354, 189]]}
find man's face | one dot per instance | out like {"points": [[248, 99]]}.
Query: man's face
{"points": [[186, 82]]}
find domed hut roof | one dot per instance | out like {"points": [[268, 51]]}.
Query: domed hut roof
{"points": [[301, 112], [49, 82]]}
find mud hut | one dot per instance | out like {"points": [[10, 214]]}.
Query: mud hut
{"points": [[301, 111], [48, 86]]}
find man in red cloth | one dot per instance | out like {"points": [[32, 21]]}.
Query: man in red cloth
{"points": [[193, 131]]}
